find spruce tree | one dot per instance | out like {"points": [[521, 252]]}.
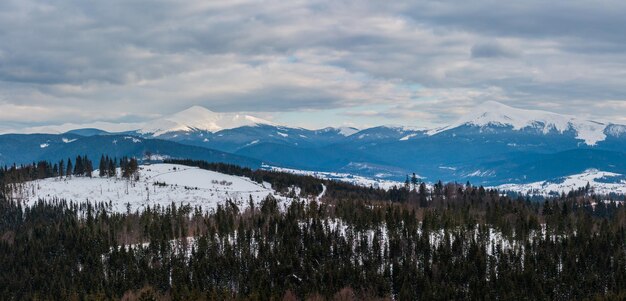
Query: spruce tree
{"points": [[87, 167], [414, 181], [79, 169], [70, 169], [102, 167], [113, 168], [61, 168]]}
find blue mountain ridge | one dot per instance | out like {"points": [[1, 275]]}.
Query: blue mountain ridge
{"points": [[488, 148]]}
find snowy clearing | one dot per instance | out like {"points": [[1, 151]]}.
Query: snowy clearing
{"points": [[601, 182], [159, 184]]}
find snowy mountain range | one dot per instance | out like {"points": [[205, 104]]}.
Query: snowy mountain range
{"points": [[493, 144], [492, 113], [487, 115]]}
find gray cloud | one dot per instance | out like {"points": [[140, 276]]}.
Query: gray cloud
{"points": [[76, 61], [492, 50]]}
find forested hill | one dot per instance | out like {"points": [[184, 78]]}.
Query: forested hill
{"points": [[354, 243]]}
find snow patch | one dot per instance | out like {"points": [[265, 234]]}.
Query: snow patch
{"points": [[135, 140], [447, 168], [252, 143], [407, 137], [480, 173], [598, 181]]}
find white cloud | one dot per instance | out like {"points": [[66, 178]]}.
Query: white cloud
{"points": [[73, 61]]}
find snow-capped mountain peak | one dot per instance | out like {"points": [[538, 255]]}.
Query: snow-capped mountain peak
{"points": [[343, 130], [347, 130], [492, 113], [199, 118]]}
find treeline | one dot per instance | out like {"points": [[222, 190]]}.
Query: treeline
{"points": [[342, 250], [45, 169], [309, 185], [412, 192], [82, 166], [280, 181], [11, 178]]}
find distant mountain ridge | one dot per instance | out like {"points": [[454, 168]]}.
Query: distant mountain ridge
{"points": [[493, 113], [488, 114], [29, 148], [493, 144]]}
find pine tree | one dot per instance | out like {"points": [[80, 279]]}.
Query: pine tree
{"points": [[79, 169], [414, 181], [102, 167], [87, 166], [422, 195], [69, 171], [113, 168], [61, 168]]}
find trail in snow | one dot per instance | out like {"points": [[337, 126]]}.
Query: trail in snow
{"points": [[321, 195]]}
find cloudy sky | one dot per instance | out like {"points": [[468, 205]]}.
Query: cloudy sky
{"points": [[308, 63]]}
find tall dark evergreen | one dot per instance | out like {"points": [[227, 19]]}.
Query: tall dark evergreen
{"points": [[70, 169], [103, 168], [79, 168], [61, 168], [112, 167], [414, 181], [88, 167]]}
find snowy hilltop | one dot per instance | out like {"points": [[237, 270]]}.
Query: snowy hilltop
{"points": [[158, 184]]}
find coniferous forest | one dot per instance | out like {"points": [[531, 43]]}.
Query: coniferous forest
{"points": [[415, 242]]}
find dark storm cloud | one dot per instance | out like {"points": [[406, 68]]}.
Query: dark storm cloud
{"points": [[130, 60]]}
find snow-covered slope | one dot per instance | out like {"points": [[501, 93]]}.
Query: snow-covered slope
{"points": [[615, 130], [177, 183], [347, 131], [497, 114], [601, 182], [199, 118], [341, 177]]}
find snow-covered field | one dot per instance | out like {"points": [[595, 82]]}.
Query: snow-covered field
{"points": [[601, 182], [178, 183], [342, 177]]}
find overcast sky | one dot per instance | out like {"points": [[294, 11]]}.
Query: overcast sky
{"points": [[308, 63]]}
